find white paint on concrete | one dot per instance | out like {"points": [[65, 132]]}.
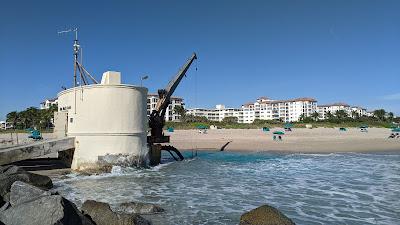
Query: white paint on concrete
{"points": [[106, 118]]}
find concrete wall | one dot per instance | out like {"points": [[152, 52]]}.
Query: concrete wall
{"points": [[105, 119]]}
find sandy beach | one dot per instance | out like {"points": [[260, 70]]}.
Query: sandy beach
{"points": [[317, 140]]}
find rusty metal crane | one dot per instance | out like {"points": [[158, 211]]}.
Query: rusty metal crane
{"points": [[157, 117]]}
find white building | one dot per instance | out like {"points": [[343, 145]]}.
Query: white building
{"points": [[5, 125], [263, 108], [170, 114], [352, 111], [358, 111], [218, 114], [48, 102]]}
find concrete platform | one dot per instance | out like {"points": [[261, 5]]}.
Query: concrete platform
{"points": [[37, 149]]}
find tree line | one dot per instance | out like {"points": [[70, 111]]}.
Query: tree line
{"points": [[32, 117]]}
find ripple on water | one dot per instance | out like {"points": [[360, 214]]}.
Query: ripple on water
{"points": [[216, 188]]}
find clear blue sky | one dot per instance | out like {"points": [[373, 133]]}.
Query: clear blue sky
{"points": [[346, 51]]}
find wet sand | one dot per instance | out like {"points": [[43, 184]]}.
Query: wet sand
{"points": [[317, 140]]}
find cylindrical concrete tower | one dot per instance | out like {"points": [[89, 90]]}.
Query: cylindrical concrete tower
{"points": [[106, 119]]}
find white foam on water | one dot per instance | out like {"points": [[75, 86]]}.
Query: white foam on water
{"points": [[311, 189]]}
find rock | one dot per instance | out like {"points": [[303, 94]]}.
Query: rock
{"points": [[102, 214], [138, 207], [10, 174], [265, 215], [22, 192], [4, 207], [47, 210]]}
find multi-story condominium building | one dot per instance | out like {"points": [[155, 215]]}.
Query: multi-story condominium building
{"points": [[170, 114], [285, 110], [263, 109], [352, 111], [48, 102], [218, 114]]}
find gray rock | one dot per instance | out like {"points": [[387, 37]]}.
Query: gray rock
{"points": [[48, 210], [265, 215], [10, 174], [4, 207], [102, 214], [138, 207], [22, 192]]}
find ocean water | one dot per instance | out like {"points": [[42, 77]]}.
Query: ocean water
{"points": [[217, 187]]}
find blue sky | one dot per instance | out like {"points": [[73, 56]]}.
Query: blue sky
{"points": [[347, 51]]}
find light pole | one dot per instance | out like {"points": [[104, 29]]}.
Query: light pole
{"points": [[143, 78]]}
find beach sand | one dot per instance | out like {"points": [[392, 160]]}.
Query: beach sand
{"points": [[317, 140]]}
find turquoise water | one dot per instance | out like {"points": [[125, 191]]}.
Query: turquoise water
{"points": [[217, 187]]}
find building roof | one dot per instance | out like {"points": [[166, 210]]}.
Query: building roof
{"points": [[335, 104], [304, 99]]}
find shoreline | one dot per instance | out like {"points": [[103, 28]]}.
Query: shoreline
{"points": [[300, 140]]}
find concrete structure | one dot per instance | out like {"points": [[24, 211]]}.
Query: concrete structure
{"points": [[263, 109], [170, 114], [47, 103], [38, 149], [105, 119]]}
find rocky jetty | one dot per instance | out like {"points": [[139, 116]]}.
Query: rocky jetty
{"points": [[26, 199], [102, 214], [265, 215], [138, 207]]}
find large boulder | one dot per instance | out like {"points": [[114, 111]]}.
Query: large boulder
{"points": [[21, 192], [265, 215], [102, 214], [10, 174], [47, 210], [138, 208]]}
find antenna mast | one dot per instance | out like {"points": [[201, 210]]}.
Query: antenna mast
{"points": [[78, 67]]}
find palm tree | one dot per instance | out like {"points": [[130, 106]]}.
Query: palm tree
{"points": [[315, 115], [302, 117], [390, 116]]}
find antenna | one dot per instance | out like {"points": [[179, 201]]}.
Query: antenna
{"points": [[78, 67]]}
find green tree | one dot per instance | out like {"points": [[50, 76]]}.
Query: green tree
{"points": [[178, 109], [390, 116], [380, 114], [12, 118], [302, 117], [315, 115], [341, 114], [355, 114]]}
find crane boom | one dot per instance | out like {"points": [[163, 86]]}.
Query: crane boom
{"points": [[157, 116], [165, 94]]}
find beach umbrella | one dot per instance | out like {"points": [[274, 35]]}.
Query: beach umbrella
{"points": [[279, 133]]}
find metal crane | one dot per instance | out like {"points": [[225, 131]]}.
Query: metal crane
{"points": [[157, 116]]}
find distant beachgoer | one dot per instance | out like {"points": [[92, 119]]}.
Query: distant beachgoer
{"points": [[280, 137], [274, 138]]}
